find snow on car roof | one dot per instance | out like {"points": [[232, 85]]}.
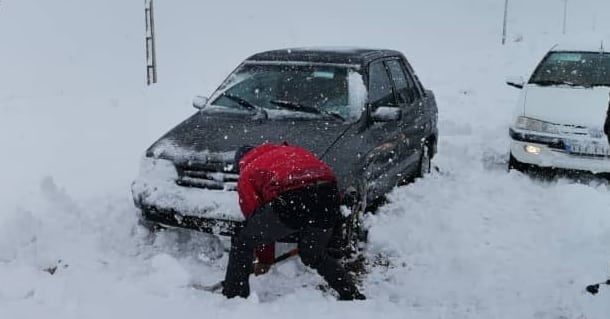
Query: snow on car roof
{"points": [[343, 55], [589, 46]]}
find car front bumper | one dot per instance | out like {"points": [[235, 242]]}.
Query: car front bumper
{"points": [[163, 201], [543, 155], [209, 211]]}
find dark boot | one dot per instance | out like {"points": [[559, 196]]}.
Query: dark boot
{"points": [[338, 279], [312, 249], [353, 296]]}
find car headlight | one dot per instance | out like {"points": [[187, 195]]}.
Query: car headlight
{"points": [[529, 124], [158, 168]]}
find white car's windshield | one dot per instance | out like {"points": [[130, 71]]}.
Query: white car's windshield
{"points": [[295, 88], [574, 68]]}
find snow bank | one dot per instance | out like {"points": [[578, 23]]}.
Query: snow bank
{"points": [[475, 243]]}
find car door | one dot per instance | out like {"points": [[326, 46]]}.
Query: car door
{"points": [[413, 124], [427, 108], [385, 138]]}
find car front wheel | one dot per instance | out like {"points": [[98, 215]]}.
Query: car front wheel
{"points": [[425, 161], [355, 233], [514, 164], [350, 235]]}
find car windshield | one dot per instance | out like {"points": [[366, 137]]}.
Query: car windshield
{"points": [[295, 90], [574, 68]]}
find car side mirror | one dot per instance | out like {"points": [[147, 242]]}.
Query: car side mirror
{"points": [[199, 102], [515, 81], [387, 114]]}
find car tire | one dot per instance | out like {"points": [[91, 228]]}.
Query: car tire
{"points": [[514, 164], [533, 171], [425, 161], [349, 234], [355, 233], [355, 238]]}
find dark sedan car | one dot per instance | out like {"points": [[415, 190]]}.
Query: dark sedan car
{"points": [[363, 111]]}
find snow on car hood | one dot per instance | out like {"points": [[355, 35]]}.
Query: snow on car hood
{"points": [[567, 105], [202, 134]]}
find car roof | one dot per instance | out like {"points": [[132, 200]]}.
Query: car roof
{"points": [[590, 46], [333, 55]]}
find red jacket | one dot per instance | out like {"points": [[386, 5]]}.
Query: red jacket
{"points": [[269, 170]]}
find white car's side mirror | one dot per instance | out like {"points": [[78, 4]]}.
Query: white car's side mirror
{"points": [[199, 102], [515, 81]]}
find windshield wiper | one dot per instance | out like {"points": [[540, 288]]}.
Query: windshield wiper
{"points": [[553, 82], [261, 113], [244, 103], [585, 85], [295, 106]]}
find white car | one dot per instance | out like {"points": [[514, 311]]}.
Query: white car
{"points": [[561, 112]]}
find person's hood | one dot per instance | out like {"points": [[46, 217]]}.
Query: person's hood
{"points": [[567, 105], [221, 134]]}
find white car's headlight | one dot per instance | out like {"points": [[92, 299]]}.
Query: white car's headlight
{"points": [[529, 124]]}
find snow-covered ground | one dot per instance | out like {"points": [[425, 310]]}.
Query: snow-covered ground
{"points": [[470, 241]]}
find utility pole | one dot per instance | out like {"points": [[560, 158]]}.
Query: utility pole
{"points": [[565, 15], [505, 22], [151, 55]]}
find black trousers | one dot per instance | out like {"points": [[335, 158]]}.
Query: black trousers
{"points": [[311, 213]]}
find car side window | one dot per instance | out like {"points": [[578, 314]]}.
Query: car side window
{"points": [[419, 90], [380, 86], [405, 86]]}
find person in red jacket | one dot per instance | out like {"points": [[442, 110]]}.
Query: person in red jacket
{"points": [[284, 190]]}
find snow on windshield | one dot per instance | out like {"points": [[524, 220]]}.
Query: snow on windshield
{"points": [[293, 89]]}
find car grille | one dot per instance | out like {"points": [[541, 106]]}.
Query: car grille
{"points": [[575, 130], [215, 175], [584, 142]]}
